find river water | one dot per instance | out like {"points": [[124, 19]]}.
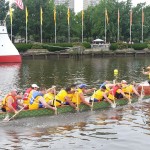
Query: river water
{"points": [[125, 127]]}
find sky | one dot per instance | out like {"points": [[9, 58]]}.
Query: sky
{"points": [[79, 3]]}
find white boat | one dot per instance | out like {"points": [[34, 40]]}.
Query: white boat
{"points": [[8, 52]]}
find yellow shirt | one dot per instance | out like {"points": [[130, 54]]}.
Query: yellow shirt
{"points": [[76, 98], [128, 89], [48, 97], [35, 104], [98, 95]]}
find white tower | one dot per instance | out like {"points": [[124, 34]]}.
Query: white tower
{"points": [[8, 52]]}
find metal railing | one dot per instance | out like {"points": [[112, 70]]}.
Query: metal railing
{"points": [[2, 23]]}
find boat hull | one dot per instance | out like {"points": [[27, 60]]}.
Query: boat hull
{"points": [[145, 90], [69, 109], [10, 59]]}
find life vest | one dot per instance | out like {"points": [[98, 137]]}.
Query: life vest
{"points": [[5, 103], [26, 94], [127, 89], [48, 97], [34, 100], [113, 92], [76, 98], [98, 95], [60, 97]]}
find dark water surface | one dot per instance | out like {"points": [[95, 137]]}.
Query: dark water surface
{"points": [[126, 127]]}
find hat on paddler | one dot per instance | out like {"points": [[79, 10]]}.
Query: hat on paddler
{"points": [[124, 81], [34, 86], [81, 86]]}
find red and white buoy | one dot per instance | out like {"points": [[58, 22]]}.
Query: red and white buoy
{"points": [[8, 52]]}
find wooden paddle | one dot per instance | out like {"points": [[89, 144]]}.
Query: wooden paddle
{"points": [[115, 75], [77, 101], [15, 114], [92, 102]]}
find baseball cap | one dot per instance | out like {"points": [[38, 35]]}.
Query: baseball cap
{"points": [[82, 86], [34, 86], [123, 81]]}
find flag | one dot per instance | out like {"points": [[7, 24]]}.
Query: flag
{"points": [[131, 17], [106, 15], [118, 17], [26, 15], [68, 18], [11, 14], [55, 14], [41, 15], [19, 3], [142, 16], [82, 15]]}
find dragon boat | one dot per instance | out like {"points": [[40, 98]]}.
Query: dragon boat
{"points": [[143, 89], [68, 109]]}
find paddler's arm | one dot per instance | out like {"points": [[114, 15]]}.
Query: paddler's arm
{"points": [[83, 100], [90, 90], [70, 102], [41, 99], [10, 101], [135, 91], [107, 99]]}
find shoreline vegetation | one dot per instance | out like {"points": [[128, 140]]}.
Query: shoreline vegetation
{"points": [[83, 49]]}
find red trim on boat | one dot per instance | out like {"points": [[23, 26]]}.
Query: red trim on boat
{"points": [[10, 58]]}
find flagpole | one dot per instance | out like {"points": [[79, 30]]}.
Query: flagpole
{"points": [[105, 26], [26, 25], [26, 33], [41, 34], [41, 14], [130, 26], [68, 33], [118, 24], [82, 26], [142, 23], [55, 34], [55, 22], [11, 31]]}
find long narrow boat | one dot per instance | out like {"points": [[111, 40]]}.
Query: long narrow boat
{"points": [[67, 109]]}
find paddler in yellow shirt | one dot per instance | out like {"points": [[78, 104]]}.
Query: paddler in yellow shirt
{"points": [[129, 89], [50, 95], [63, 98], [79, 97], [101, 94]]}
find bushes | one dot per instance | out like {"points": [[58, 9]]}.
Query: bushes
{"points": [[139, 46], [120, 46], [22, 47], [86, 45], [113, 46]]}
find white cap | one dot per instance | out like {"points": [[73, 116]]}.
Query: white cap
{"points": [[123, 81], [34, 86]]}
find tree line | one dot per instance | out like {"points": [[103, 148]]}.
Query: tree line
{"points": [[93, 23]]}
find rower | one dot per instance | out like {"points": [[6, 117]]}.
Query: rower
{"points": [[28, 93], [63, 98], [101, 94], [128, 89], [37, 99], [11, 102], [116, 93], [79, 97], [50, 95]]}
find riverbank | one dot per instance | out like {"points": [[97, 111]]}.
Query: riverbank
{"points": [[80, 51]]}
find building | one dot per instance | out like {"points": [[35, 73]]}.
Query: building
{"points": [[70, 3], [87, 3]]}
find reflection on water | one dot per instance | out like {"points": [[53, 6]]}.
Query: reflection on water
{"points": [[126, 127]]}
